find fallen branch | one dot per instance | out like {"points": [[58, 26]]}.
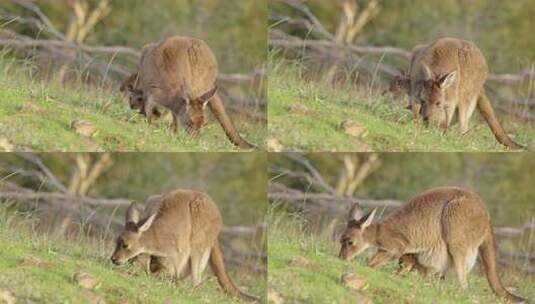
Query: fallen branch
{"points": [[326, 202], [70, 45], [515, 231], [242, 231], [46, 172], [313, 175], [46, 23], [316, 24], [30, 195]]}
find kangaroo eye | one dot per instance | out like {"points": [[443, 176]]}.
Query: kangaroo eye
{"points": [[124, 246], [350, 243]]}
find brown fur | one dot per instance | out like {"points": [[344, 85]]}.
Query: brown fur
{"points": [[152, 264], [398, 85], [195, 108], [448, 76], [175, 74], [136, 99], [443, 227], [182, 231]]}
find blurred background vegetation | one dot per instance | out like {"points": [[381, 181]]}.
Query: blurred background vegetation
{"points": [[502, 29], [229, 27], [503, 180]]}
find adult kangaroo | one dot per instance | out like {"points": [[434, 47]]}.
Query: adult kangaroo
{"points": [[182, 231], [448, 75], [180, 74], [442, 228]]}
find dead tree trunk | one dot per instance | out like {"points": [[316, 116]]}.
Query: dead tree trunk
{"points": [[355, 169], [352, 21], [88, 168], [83, 20]]}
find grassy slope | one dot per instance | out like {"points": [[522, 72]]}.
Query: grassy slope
{"points": [[389, 126], [320, 282], [36, 116], [52, 283]]}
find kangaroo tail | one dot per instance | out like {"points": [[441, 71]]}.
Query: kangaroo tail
{"points": [[218, 267], [486, 110], [487, 250], [217, 108]]}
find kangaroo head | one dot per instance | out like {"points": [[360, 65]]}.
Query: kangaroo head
{"points": [[399, 84], [352, 240], [195, 111], [136, 98], [129, 243], [432, 93]]}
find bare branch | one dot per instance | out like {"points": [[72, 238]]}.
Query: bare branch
{"points": [[70, 45], [51, 178], [315, 21], [13, 192], [333, 204], [317, 178], [284, 40], [242, 231], [42, 17]]}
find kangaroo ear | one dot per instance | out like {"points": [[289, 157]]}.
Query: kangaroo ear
{"points": [[367, 219], [205, 98], [128, 83], [428, 74], [355, 213], [148, 222], [448, 80], [132, 214], [205, 103]]}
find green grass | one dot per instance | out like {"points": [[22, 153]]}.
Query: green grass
{"points": [[52, 282], [320, 281], [37, 116], [389, 126]]}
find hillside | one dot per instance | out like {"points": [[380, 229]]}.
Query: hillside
{"points": [[317, 279], [37, 116], [306, 115], [40, 269]]}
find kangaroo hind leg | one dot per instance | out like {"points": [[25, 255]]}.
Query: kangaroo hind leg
{"points": [[465, 112], [180, 261], [199, 260], [461, 261]]}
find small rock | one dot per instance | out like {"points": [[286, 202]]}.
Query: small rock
{"points": [[274, 296], [83, 127], [352, 128], [299, 108], [299, 261], [6, 145], [274, 145], [94, 298], [31, 107], [7, 297], [35, 262], [85, 280], [352, 281]]}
